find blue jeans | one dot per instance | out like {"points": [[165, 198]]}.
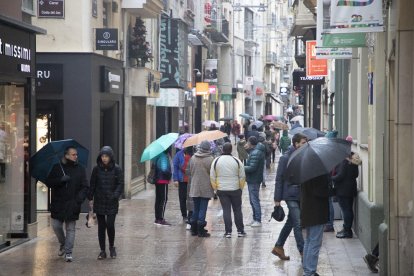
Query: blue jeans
{"points": [[292, 222], [346, 203], [254, 189], [313, 243], [330, 223], [200, 209]]}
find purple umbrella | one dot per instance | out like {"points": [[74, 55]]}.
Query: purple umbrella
{"points": [[180, 141]]}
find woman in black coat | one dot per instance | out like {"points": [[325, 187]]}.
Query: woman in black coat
{"points": [[106, 186], [346, 190]]}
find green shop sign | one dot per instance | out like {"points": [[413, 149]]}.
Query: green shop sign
{"points": [[344, 40], [226, 97]]}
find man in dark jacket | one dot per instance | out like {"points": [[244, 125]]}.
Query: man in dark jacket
{"points": [[290, 193], [69, 186], [106, 187], [253, 132], [346, 190], [314, 199], [254, 176]]}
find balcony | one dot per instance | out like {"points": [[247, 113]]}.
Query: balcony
{"points": [[304, 20], [271, 58], [218, 30]]}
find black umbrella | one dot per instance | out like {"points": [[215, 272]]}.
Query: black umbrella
{"points": [[226, 119], [310, 132], [317, 157]]}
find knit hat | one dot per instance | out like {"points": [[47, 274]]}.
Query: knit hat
{"points": [[253, 140], [204, 146], [349, 138]]}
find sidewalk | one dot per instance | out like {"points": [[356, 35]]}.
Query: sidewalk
{"points": [[146, 249]]}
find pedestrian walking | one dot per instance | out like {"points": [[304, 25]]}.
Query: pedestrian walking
{"points": [[241, 149], [284, 142], [180, 163], [314, 214], [235, 130], [346, 190], [106, 187], [69, 187], [163, 178], [275, 146], [200, 190], [253, 133], [290, 193], [227, 176], [254, 176]]}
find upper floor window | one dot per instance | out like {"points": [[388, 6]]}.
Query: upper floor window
{"points": [[27, 7]]}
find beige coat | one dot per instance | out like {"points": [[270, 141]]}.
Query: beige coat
{"points": [[200, 164]]}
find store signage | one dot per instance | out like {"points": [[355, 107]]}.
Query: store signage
{"points": [[111, 80], [153, 83], [314, 67], [226, 97], [248, 80], [344, 40], [49, 78], [51, 9], [169, 97], [106, 39], [202, 88], [210, 70], [16, 52], [300, 78]]}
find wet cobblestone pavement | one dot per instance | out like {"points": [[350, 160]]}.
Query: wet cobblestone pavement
{"points": [[146, 249]]}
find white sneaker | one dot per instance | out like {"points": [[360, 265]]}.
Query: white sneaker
{"points": [[188, 227], [256, 224], [250, 223]]}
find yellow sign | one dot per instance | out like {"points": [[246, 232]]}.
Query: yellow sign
{"points": [[202, 88]]}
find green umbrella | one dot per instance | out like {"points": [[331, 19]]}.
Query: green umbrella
{"points": [[158, 146]]}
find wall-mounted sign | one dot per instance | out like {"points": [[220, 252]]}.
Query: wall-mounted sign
{"points": [[314, 67], [300, 78], [202, 88], [210, 70], [51, 8], [106, 39], [111, 80], [16, 52], [248, 80], [49, 78]]}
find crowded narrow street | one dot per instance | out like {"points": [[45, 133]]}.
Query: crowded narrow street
{"points": [[146, 249]]}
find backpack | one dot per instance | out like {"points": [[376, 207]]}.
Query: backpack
{"points": [[152, 175]]}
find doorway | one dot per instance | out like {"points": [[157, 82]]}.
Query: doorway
{"points": [[109, 123]]}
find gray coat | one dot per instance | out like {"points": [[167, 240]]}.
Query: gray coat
{"points": [[200, 164]]}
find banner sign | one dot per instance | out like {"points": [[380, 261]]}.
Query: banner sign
{"points": [[173, 49], [210, 70], [355, 16], [314, 67], [327, 53]]}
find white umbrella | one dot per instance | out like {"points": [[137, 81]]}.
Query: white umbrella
{"points": [[297, 118]]}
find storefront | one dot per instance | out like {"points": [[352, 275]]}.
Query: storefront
{"points": [[79, 96], [17, 74]]}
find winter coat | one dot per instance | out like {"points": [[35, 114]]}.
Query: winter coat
{"points": [[241, 150], [284, 142], [345, 179], [251, 133], [254, 165], [178, 162], [314, 205], [106, 185], [200, 164], [285, 190], [235, 129], [227, 173], [163, 168], [67, 197]]}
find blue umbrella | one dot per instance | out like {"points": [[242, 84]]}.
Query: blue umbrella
{"points": [[42, 162], [246, 116]]}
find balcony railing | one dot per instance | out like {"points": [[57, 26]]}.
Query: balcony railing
{"points": [[219, 30]]}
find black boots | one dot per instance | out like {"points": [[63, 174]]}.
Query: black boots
{"points": [[194, 230], [344, 234], [202, 233]]}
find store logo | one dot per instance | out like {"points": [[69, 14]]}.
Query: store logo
{"points": [[106, 35], [15, 51]]}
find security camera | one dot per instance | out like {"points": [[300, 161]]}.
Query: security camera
{"points": [[197, 72]]}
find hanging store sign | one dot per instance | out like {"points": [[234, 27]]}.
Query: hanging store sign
{"points": [[17, 50], [173, 53], [344, 40], [210, 70], [300, 78], [51, 9], [49, 78], [248, 80], [226, 97], [314, 67], [356, 16], [202, 88], [106, 39]]}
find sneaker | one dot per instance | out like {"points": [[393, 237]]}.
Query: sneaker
{"points": [[241, 234], [164, 223], [371, 262], [112, 252], [328, 229], [61, 251], [227, 235], [68, 257], [344, 235], [280, 252], [188, 227], [102, 255], [256, 224], [250, 223]]}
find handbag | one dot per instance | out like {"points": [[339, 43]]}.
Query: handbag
{"points": [[90, 219], [152, 175]]}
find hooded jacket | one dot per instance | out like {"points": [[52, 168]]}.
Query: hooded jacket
{"points": [[254, 164], [67, 197], [106, 185], [284, 142], [199, 167], [285, 190]]}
